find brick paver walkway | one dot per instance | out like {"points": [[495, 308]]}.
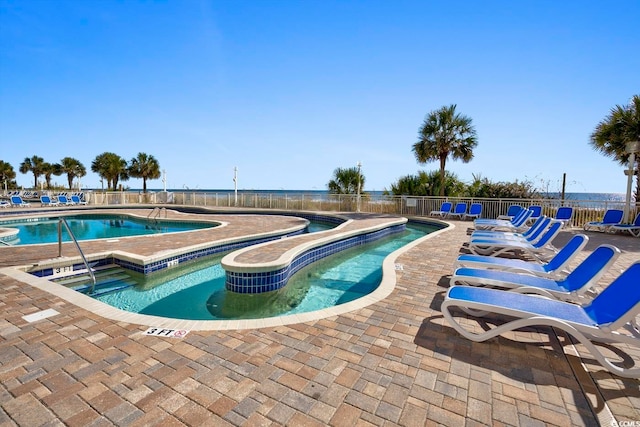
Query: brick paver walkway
{"points": [[392, 363]]}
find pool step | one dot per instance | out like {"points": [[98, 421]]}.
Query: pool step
{"points": [[108, 279], [78, 276]]}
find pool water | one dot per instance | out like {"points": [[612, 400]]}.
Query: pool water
{"points": [[197, 292], [87, 227]]}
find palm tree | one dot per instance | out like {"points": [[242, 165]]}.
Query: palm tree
{"points": [[7, 173], [443, 133], [111, 167], [345, 181], [612, 134], [73, 168], [35, 165], [48, 170], [146, 167]]}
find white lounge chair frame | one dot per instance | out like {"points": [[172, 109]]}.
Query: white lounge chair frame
{"points": [[535, 310]]}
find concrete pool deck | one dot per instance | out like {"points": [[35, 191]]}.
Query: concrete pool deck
{"points": [[394, 362]]}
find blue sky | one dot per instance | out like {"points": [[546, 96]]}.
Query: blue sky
{"points": [[287, 91]]}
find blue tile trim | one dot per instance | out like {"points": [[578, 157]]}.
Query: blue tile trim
{"points": [[9, 238], [171, 261], [259, 282], [189, 256]]}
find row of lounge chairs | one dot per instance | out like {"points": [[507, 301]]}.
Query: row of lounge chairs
{"points": [[60, 200], [612, 222], [563, 214], [460, 211], [535, 289], [25, 194]]}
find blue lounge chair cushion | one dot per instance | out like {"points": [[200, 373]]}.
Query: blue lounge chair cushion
{"points": [[444, 209], [499, 247], [516, 223], [578, 282], [459, 210], [634, 228], [555, 264], [475, 210], [523, 303], [611, 217]]}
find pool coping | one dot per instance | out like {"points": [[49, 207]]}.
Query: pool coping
{"points": [[385, 288], [145, 263], [7, 233]]}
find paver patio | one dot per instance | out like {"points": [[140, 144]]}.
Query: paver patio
{"points": [[395, 362]]}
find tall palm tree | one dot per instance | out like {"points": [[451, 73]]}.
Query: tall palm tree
{"points": [[445, 133], [73, 168], [345, 181], [612, 134], [7, 174], [35, 165], [111, 167], [48, 170], [146, 167]]}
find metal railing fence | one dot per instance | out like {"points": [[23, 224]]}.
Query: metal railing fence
{"points": [[583, 210]]}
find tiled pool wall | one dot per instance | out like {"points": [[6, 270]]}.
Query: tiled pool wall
{"points": [[9, 237], [178, 259], [260, 282], [168, 262]]}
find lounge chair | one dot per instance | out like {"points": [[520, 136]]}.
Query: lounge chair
{"points": [[4, 204], [497, 234], [633, 229], [64, 200], [601, 320], [573, 287], [444, 210], [536, 234], [46, 201], [611, 217], [564, 215], [540, 249], [475, 210], [459, 211], [536, 212], [556, 265], [77, 201], [16, 201], [512, 212], [503, 218], [518, 222]]}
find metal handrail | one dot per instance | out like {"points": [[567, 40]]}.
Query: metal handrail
{"points": [[152, 212], [158, 213], [84, 259]]}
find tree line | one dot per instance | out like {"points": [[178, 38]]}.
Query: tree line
{"points": [[109, 166]]}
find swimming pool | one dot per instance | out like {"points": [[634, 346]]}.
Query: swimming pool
{"points": [[198, 291], [37, 230]]}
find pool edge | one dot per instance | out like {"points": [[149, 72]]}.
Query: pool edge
{"points": [[386, 287]]}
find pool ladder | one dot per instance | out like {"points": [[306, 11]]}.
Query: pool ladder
{"points": [[156, 213], [62, 222]]}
